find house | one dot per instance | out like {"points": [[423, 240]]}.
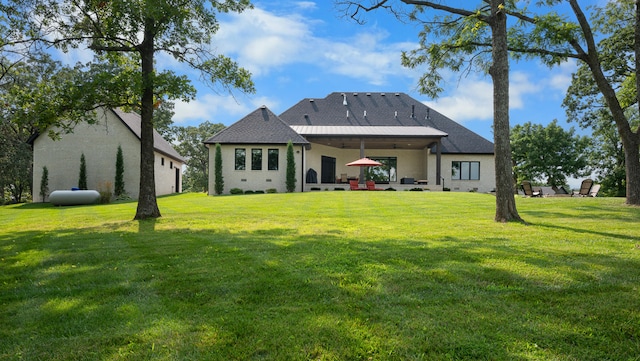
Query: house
{"points": [[99, 143], [417, 146]]}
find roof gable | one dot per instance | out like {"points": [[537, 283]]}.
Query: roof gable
{"points": [[261, 126], [384, 109], [161, 145]]}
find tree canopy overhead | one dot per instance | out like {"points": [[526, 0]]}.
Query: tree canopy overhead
{"points": [[131, 33]]}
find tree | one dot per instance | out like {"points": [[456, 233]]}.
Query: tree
{"points": [[44, 183], [548, 154], [127, 30], [465, 33], [219, 181], [82, 178], [291, 169], [190, 143], [119, 179], [603, 96]]}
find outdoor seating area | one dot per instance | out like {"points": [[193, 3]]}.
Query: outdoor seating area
{"points": [[587, 189]]}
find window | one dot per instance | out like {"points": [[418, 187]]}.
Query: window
{"points": [[272, 159], [256, 159], [465, 170], [171, 165], [241, 156], [162, 161], [385, 173]]}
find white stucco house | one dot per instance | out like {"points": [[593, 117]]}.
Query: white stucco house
{"points": [[99, 143], [417, 146]]}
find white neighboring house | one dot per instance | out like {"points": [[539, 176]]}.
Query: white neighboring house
{"points": [[417, 146], [99, 144]]}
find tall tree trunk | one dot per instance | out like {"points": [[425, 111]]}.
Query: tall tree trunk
{"points": [[505, 201], [147, 204]]}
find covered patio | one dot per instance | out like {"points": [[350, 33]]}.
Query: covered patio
{"points": [[404, 152]]}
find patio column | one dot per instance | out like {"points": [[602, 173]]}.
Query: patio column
{"points": [[438, 162], [361, 177]]}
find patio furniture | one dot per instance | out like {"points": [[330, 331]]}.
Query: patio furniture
{"points": [[594, 190], [406, 180], [528, 190], [343, 178], [354, 186], [585, 188], [371, 186]]}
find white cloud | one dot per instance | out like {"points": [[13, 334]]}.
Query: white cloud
{"points": [[261, 41], [218, 108]]}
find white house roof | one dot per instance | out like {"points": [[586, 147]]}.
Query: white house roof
{"points": [[371, 131]]}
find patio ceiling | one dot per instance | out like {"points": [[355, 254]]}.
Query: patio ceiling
{"points": [[374, 137], [373, 143]]}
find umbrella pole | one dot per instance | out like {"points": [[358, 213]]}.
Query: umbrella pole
{"points": [[361, 178]]}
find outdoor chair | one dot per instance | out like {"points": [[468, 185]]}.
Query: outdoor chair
{"points": [[371, 186], [594, 190], [528, 190], [343, 178], [354, 186], [585, 188]]}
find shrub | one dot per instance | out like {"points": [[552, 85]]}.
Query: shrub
{"points": [[104, 188], [291, 168], [338, 189], [316, 189], [82, 179], [119, 181], [218, 186], [272, 190], [236, 191], [249, 191], [44, 183], [390, 189], [416, 189]]}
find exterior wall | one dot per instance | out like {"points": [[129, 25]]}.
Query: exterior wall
{"points": [[486, 183], [255, 180], [166, 174], [99, 143]]}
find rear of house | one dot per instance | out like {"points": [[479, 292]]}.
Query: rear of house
{"points": [[417, 146]]}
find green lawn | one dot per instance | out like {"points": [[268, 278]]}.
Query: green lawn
{"points": [[322, 276]]}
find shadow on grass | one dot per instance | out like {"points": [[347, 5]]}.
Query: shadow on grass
{"points": [[277, 294]]}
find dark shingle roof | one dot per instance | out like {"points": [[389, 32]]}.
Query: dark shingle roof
{"points": [[132, 121], [384, 109], [261, 126]]}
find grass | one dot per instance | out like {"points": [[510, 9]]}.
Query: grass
{"points": [[322, 276]]}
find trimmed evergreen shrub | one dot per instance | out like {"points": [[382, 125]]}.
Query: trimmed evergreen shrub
{"points": [[218, 186], [236, 191], [119, 181], [44, 183], [82, 179], [291, 168]]}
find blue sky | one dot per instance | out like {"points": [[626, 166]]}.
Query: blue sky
{"points": [[308, 49]]}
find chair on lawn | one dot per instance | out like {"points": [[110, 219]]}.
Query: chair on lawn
{"points": [[343, 178], [371, 186], [528, 190], [585, 188], [594, 190], [354, 186]]}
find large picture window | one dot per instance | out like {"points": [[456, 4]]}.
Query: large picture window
{"points": [[465, 170], [256, 159], [241, 159], [272, 159], [385, 173]]}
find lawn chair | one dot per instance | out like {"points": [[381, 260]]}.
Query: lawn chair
{"points": [[585, 188], [354, 186], [594, 190], [343, 178], [371, 186], [528, 190]]}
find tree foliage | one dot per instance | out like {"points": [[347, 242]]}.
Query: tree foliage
{"points": [[548, 154], [127, 31], [190, 144]]}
